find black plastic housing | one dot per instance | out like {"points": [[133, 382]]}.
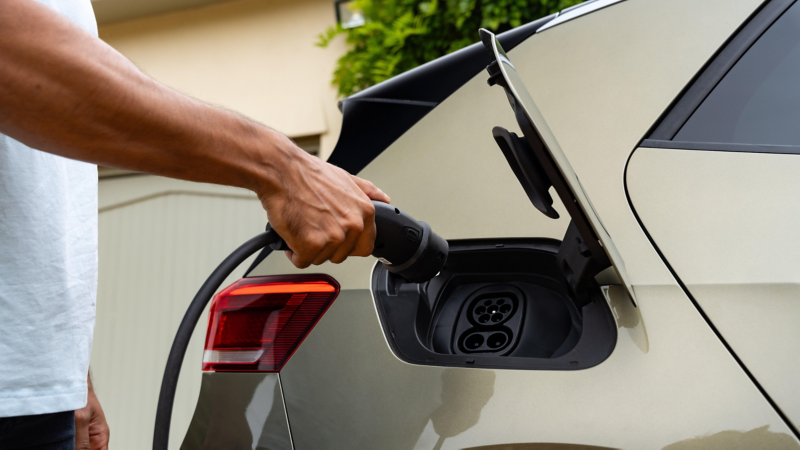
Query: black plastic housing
{"points": [[544, 328], [375, 117], [528, 170], [405, 246]]}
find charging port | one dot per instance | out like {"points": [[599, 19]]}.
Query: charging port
{"points": [[497, 303]]}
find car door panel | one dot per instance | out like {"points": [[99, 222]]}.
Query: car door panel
{"points": [[727, 224], [715, 186], [239, 410]]}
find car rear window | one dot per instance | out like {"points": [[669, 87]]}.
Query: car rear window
{"points": [[758, 101]]}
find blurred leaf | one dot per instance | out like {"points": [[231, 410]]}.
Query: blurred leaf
{"points": [[402, 34]]}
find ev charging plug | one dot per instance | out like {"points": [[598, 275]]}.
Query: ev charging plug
{"points": [[405, 246]]}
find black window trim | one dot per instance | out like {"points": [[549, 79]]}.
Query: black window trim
{"points": [[708, 78], [374, 118]]}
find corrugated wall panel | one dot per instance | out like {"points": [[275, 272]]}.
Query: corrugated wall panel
{"points": [[154, 255]]}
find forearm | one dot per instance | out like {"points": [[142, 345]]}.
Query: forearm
{"points": [[65, 92]]}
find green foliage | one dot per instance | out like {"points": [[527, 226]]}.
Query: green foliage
{"points": [[402, 34]]}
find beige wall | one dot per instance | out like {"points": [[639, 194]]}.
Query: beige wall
{"points": [[256, 57], [160, 238]]}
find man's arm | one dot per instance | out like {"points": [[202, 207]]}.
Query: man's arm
{"points": [[66, 92]]}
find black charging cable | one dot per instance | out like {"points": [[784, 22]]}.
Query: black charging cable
{"points": [[169, 383], [417, 253]]}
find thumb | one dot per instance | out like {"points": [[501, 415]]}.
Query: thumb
{"points": [[371, 190]]}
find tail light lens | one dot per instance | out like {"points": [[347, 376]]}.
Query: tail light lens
{"points": [[256, 324]]}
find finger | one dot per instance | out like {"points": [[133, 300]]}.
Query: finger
{"points": [[293, 258], [325, 254], [372, 191], [366, 240], [99, 442], [82, 429], [99, 432], [344, 250], [348, 246], [307, 254], [335, 240], [298, 261]]}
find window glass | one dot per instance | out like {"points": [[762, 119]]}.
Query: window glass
{"points": [[758, 101]]}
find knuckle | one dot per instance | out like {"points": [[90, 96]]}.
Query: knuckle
{"points": [[368, 207], [81, 416], [301, 264], [338, 237], [367, 212], [335, 238], [355, 225], [315, 243]]}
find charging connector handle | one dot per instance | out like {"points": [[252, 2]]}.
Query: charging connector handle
{"points": [[405, 246]]}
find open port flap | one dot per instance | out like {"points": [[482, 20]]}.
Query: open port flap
{"points": [[587, 248]]}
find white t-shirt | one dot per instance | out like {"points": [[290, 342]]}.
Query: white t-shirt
{"points": [[48, 269]]}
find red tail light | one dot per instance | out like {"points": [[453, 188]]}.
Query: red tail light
{"points": [[256, 324]]}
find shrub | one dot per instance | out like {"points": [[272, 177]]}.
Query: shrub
{"points": [[402, 34]]}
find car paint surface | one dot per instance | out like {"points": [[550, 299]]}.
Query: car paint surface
{"points": [[239, 410], [665, 382], [601, 81], [347, 390], [708, 211]]}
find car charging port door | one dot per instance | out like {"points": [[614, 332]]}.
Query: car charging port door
{"points": [[539, 162]]}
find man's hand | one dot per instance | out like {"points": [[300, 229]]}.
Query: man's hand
{"points": [[322, 212], [91, 429]]}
